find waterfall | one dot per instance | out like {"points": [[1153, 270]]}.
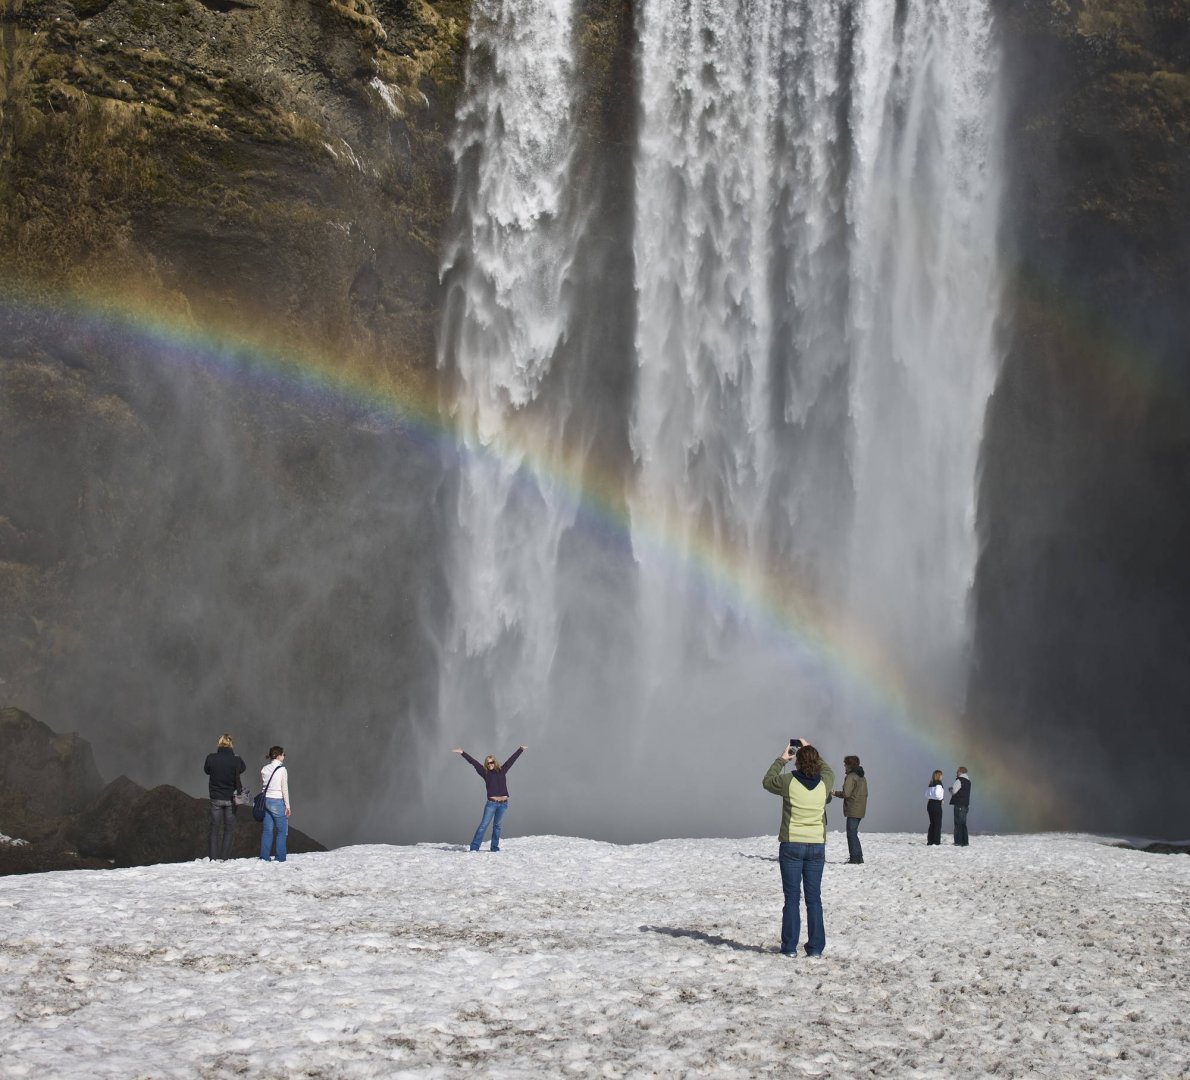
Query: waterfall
{"points": [[817, 206], [506, 322], [924, 199], [740, 270], [814, 243]]}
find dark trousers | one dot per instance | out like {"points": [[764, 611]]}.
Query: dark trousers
{"points": [[934, 809], [855, 851], [960, 825], [223, 829]]}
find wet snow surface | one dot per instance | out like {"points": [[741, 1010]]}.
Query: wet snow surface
{"points": [[1049, 956]]}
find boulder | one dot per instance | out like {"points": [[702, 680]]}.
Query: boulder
{"points": [[96, 830], [42, 774]]}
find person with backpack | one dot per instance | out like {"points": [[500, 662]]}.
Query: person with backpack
{"points": [[494, 776], [855, 805], [960, 799], [275, 778], [802, 851], [224, 767]]}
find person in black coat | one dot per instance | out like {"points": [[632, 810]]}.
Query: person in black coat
{"points": [[224, 767]]}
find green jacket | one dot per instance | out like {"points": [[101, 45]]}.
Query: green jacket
{"points": [[855, 795], [803, 812]]}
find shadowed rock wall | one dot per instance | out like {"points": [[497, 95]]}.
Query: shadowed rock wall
{"points": [[1083, 591], [219, 231]]}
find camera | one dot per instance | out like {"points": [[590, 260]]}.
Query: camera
{"points": [[795, 744]]}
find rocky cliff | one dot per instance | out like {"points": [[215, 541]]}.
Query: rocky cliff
{"points": [[219, 234], [1083, 592]]}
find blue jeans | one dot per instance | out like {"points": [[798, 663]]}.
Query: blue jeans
{"points": [[960, 825], [275, 822], [493, 814], [802, 864], [855, 850]]}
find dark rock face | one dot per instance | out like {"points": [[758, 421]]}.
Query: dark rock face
{"points": [[42, 774], [1083, 591], [68, 823], [95, 832]]}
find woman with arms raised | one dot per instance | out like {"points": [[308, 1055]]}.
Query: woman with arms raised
{"points": [[493, 774]]}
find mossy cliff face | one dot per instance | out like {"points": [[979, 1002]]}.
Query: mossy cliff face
{"points": [[189, 541], [236, 160], [1083, 593]]}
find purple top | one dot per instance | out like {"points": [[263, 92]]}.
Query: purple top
{"points": [[497, 784]]}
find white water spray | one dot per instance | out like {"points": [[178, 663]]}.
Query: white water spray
{"points": [[817, 201], [507, 317]]}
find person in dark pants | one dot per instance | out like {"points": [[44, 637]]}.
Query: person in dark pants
{"points": [[493, 774], [224, 767], [855, 805], [934, 796], [801, 855], [960, 799]]}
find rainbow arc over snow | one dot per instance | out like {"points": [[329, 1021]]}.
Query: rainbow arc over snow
{"points": [[770, 596]]}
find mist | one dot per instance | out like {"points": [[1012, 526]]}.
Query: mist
{"points": [[810, 362]]}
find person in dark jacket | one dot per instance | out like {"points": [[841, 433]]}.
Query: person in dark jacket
{"points": [[493, 774], [960, 799], [224, 767], [855, 805]]}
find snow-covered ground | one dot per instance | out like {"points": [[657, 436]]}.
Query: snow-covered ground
{"points": [[1027, 956]]}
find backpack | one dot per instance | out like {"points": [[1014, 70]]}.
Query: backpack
{"points": [[258, 808]]}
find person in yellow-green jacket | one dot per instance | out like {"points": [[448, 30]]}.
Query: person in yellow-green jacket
{"points": [[802, 854]]}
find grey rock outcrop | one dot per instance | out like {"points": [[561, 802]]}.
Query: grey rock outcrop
{"points": [[43, 774]]}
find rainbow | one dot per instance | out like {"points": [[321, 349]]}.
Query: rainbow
{"points": [[771, 595]]}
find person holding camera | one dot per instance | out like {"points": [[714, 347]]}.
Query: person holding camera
{"points": [[855, 805], [802, 852]]}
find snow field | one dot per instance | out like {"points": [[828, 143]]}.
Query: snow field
{"points": [[1025, 956]]}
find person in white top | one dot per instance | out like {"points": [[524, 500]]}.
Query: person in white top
{"points": [[935, 793], [275, 778]]}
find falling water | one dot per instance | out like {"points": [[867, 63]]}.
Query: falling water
{"points": [[816, 224], [506, 322], [923, 200], [817, 199]]}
